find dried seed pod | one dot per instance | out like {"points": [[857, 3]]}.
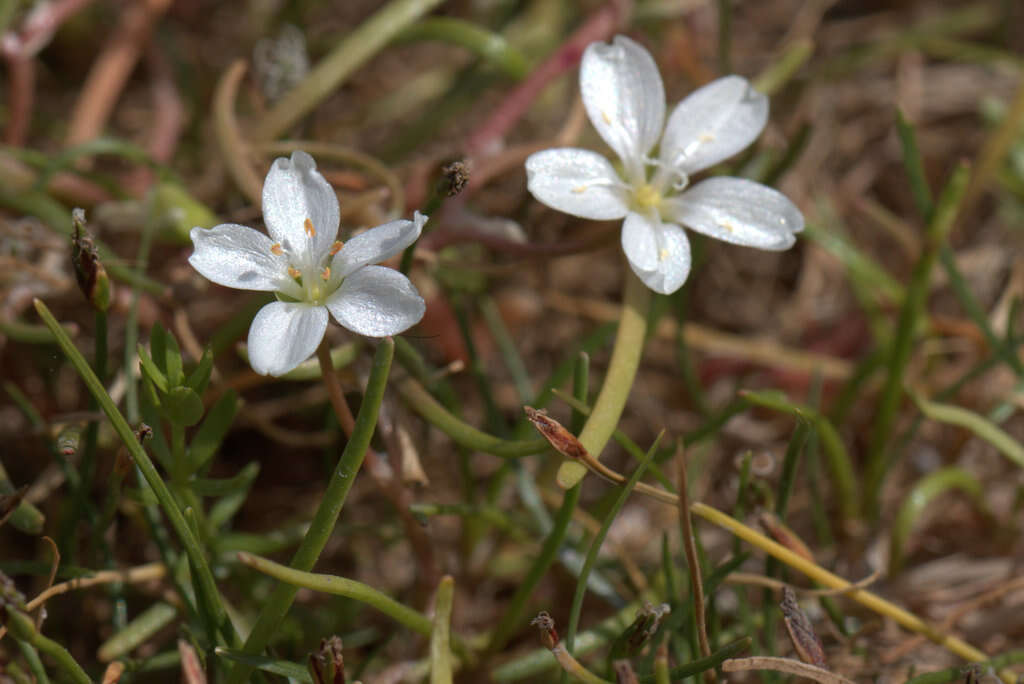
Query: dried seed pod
{"points": [[456, 176], [560, 438], [806, 643], [546, 624], [92, 277]]}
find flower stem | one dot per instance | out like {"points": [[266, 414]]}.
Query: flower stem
{"points": [[629, 345], [327, 513], [341, 409]]}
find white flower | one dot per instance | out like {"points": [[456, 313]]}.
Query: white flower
{"points": [[310, 271], [625, 100]]}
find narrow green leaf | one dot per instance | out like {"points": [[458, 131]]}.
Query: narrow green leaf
{"points": [[203, 577], [979, 425], [913, 165], [138, 631], [913, 308], [284, 668], [598, 540], [917, 499], [182, 406], [211, 433], [219, 487], [158, 348], [174, 366], [200, 376], [152, 372]]}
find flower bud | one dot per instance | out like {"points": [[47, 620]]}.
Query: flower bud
{"points": [[327, 666]]}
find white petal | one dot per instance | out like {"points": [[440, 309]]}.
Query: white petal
{"points": [[283, 335], [659, 253], [237, 256], [293, 192], [624, 98], [578, 182], [713, 123], [377, 244], [739, 211], [377, 301]]}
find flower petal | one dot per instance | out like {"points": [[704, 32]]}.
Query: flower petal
{"points": [[739, 211], [293, 192], [236, 256], [624, 98], [578, 182], [659, 253], [377, 301], [283, 335], [377, 244], [713, 123]]}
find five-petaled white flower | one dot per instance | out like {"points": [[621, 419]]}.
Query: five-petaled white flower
{"points": [[625, 100], [310, 271]]}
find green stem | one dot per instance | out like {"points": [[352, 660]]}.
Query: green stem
{"points": [[22, 628], [464, 434], [343, 475], [341, 586], [485, 44], [35, 665], [629, 346], [357, 47], [441, 634], [206, 586]]}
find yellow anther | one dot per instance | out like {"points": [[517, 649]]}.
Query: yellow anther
{"points": [[706, 137], [336, 247], [310, 230], [579, 189], [662, 254], [294, 272], [326, 273], [728, 226], [276, 249], [646, 197], [604, 117]]}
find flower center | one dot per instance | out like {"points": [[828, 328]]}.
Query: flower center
{"points": [[309, 273], [646, 197]]}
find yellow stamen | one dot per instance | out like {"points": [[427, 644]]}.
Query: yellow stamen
{"points": [[662, 254], [294, 272], [310, 230], [579, 189], [276, 249], [646, 197], [706, 137], [604, 117], [326, 273], [336, 247], [728, 226]]}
